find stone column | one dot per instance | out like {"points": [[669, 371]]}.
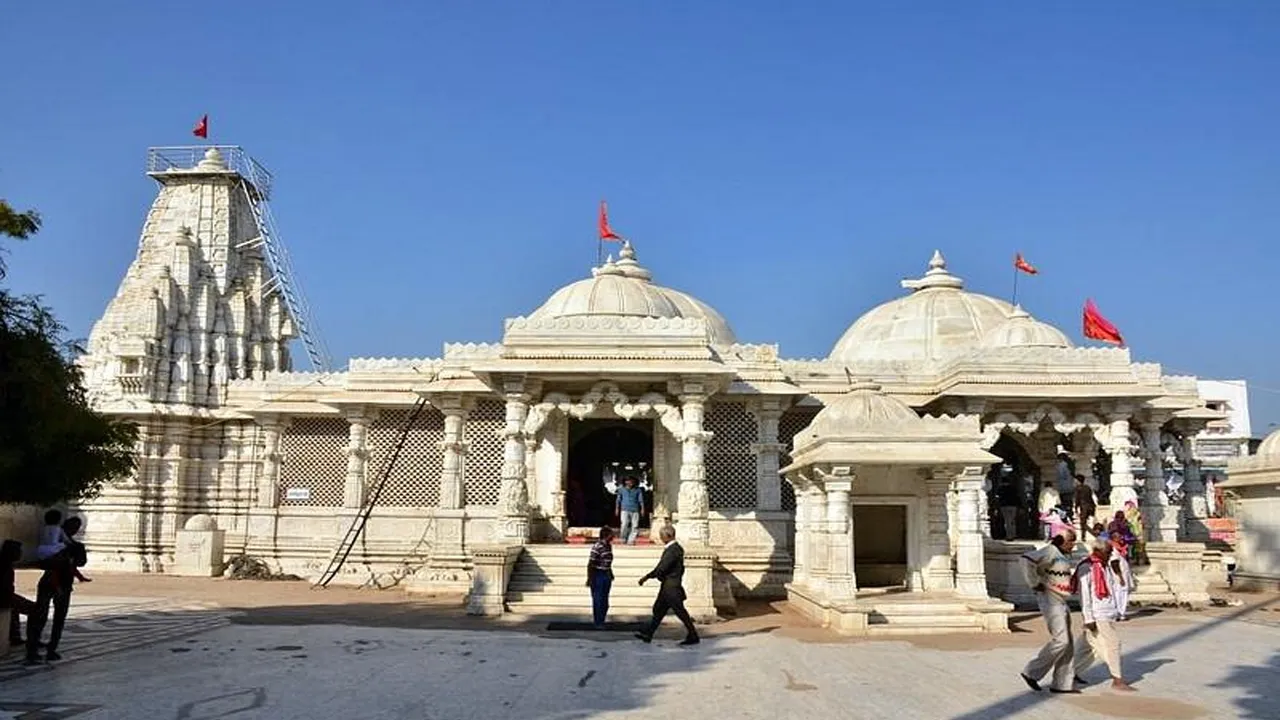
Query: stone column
{"points": [[842, 580], [1085, 449], [1195, 508], [454, 445], [816, 524], [353, 490], [938, 573], [513, 505], [1122, 482], [269, 485], [971, 574], [1161, 523], [800, 567], [693, 526], [767, 448]]}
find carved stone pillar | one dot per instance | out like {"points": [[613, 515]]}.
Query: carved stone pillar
{"points": [[971, 574], [693, 526], [269, 486], [353, 490], [1161, 523], [455, 410], [768, 482], [819, 560], [1195, 508], [842, 581], [800, 568], [1084, 451], [938, 572], [1122, 482], [513, 506]]}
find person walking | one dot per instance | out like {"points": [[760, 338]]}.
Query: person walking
{"points": [[1049, 572], [1099, 582], [1085, 502], [671, 595], [10, 554], [629, 509], [77, 558], [1125, 584], [600, 575]]}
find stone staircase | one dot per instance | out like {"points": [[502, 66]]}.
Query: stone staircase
{"points": [[927, 613], [550, 581], [1152, 588]]}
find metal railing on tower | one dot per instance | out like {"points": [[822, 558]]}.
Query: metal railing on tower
{"points": [[256, 182]]}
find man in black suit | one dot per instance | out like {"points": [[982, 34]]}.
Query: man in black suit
{"points": [[671, 595]]}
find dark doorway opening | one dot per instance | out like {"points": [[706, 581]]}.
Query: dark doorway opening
{"points": [[1015, 492], [601, 454], [880, 545]]}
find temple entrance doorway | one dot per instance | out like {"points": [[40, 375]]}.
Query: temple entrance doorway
{"points": [[880, 546], [602, 453], [1015, 489]]}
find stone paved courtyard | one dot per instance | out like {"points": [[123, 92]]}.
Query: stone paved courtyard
{"points": [[264, 650]]}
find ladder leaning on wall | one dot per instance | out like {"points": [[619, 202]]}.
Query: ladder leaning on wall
{"points": [[362, 518]]}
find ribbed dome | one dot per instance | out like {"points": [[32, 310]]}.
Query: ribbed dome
{"points": [[1270, 445], [625, 288], [937, 320], [862, 411], [1022, 330]]}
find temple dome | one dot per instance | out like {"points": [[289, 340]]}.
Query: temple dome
{"points": [[1270, 445], [863, 410], [938, 320], [625, 288], [1022, 330]]}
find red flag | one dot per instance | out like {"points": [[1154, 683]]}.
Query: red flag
{"points": [[606, 232], [1023, 265], [201, 130], [1097, 327]]}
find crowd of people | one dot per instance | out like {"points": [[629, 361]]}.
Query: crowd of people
{"points": [[59, 556]]}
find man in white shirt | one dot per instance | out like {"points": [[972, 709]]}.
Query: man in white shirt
{"points": [[1100, 581]]}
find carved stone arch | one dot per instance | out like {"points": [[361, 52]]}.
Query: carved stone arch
{"points": [[1047, 411], [1013, 423]]}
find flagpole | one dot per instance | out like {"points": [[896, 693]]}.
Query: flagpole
{"points": [[1015, 283], [599, 252]]}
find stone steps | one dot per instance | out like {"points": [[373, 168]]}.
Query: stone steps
{"points": [[550, 581], [1152, 588]]}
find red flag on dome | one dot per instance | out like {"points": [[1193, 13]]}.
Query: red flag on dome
{"points": [[1023, 265], [201, 130], [1097, 327], [606, 232]]}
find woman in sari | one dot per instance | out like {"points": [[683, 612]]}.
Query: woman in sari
{"points": [[1119, 533], [1133, 516]]}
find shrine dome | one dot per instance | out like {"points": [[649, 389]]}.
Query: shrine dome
{"points": [[863, 410], [938, 320], [1022, 330], [626, 289], [1270, 445]]}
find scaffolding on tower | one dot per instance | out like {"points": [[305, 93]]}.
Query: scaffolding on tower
{"points": [[255, 182]]}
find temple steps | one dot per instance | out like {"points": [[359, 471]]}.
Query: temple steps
{"points": [[899, 615], [1152, 588], [550, 580]]}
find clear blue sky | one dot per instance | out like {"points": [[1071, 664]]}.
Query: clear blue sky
{"points": [[438, 164]]}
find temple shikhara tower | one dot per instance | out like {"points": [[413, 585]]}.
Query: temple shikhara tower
{"points": [[888, 487]]}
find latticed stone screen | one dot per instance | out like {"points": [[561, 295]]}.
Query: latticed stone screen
{"points": [[313, 465], [731, 465], [792, 422], [415, 479], [484, 453]]}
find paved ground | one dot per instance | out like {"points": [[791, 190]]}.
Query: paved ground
{"points": [[269, 650]]}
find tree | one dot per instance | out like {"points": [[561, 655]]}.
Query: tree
{"points": [[53, 446]]}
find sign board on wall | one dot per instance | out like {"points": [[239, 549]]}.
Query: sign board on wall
{"points": [[297, 494]]}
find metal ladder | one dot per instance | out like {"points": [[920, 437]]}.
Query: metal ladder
{"points": [[362, 518], [254, 187]]}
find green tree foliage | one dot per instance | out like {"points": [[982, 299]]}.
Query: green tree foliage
{"points": [[53, 446]]}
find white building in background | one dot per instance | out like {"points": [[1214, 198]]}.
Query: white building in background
{"points": [[1224, 439], [889, 444]]}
